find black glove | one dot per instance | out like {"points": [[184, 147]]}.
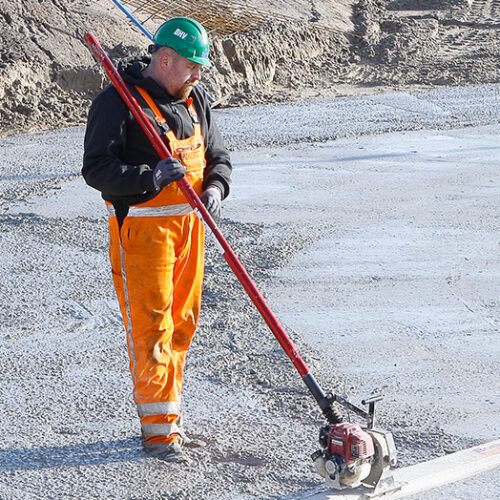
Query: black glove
{"points": [[212, 199], [167, 171]]}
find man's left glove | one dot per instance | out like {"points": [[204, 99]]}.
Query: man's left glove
{"points": [[167, 171], [212, 199]]}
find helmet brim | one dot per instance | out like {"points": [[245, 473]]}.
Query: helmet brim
{"points": [[201, 60]]}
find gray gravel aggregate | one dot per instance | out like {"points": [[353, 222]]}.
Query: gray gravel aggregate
{"points": [[68, 422]]}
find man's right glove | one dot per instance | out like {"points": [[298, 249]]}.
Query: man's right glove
{"points": [[212, 199], [167, 171]]}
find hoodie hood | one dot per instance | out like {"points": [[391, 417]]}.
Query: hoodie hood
{"points": [[131, 72]]}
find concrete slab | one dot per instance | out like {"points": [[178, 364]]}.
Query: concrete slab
{"points": [[403, 280], [413, 273]]}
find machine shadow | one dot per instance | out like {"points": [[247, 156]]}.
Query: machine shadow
{"points": [[103, 452]]}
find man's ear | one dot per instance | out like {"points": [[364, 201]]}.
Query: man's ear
{"points": [[165, 59]]}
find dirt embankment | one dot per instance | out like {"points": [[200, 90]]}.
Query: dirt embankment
{"points": [[47, 76]]}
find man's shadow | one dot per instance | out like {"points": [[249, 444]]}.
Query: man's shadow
{"points": [[103, 452]]}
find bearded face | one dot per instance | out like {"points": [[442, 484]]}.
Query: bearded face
{"points": [[180, 74]]}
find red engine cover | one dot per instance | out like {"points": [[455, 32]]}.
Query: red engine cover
{"points": [[350, 441]]}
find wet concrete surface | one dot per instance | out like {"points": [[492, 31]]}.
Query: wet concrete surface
{"points": [[378, 251]]}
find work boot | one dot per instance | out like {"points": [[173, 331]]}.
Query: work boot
{"points": [[168, 452], [193, 442], [187, 441]]}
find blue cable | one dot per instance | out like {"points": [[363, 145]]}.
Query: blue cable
{"points": [[132, 18]]}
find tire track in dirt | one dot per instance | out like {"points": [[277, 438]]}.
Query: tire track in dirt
{"points": [[484, 10], [470, 33]]}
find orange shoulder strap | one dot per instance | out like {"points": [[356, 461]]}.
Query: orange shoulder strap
{"points": [[160, 120]]}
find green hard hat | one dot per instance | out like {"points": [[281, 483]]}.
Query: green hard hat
{"points": [[187, 37]]}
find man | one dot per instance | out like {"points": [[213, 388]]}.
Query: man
{"points": [[156, 240]]}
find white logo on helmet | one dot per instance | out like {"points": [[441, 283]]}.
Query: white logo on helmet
{"points": [[181, 34]]}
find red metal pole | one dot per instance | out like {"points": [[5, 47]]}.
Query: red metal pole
{"points": [[196, 203]]}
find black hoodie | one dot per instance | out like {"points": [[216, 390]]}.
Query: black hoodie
{"points": [[119, 158]]}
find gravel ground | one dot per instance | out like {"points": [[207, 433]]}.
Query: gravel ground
{"points": [[68, 420]]}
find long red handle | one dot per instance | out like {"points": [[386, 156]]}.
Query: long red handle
{"points": [[196, 203]]}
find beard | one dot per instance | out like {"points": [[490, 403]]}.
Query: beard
{"points": [[185, 90]]}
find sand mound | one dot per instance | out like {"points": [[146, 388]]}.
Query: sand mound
{"points": [[48, 77]]}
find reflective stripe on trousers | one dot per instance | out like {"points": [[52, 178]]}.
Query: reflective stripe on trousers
{"points": [[170, 407], [164, 211]]}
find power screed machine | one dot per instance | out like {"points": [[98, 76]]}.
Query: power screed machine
{"points": [[350, 454]]}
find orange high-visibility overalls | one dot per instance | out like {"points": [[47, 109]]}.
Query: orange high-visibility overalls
{"points": [[157, 265]]}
